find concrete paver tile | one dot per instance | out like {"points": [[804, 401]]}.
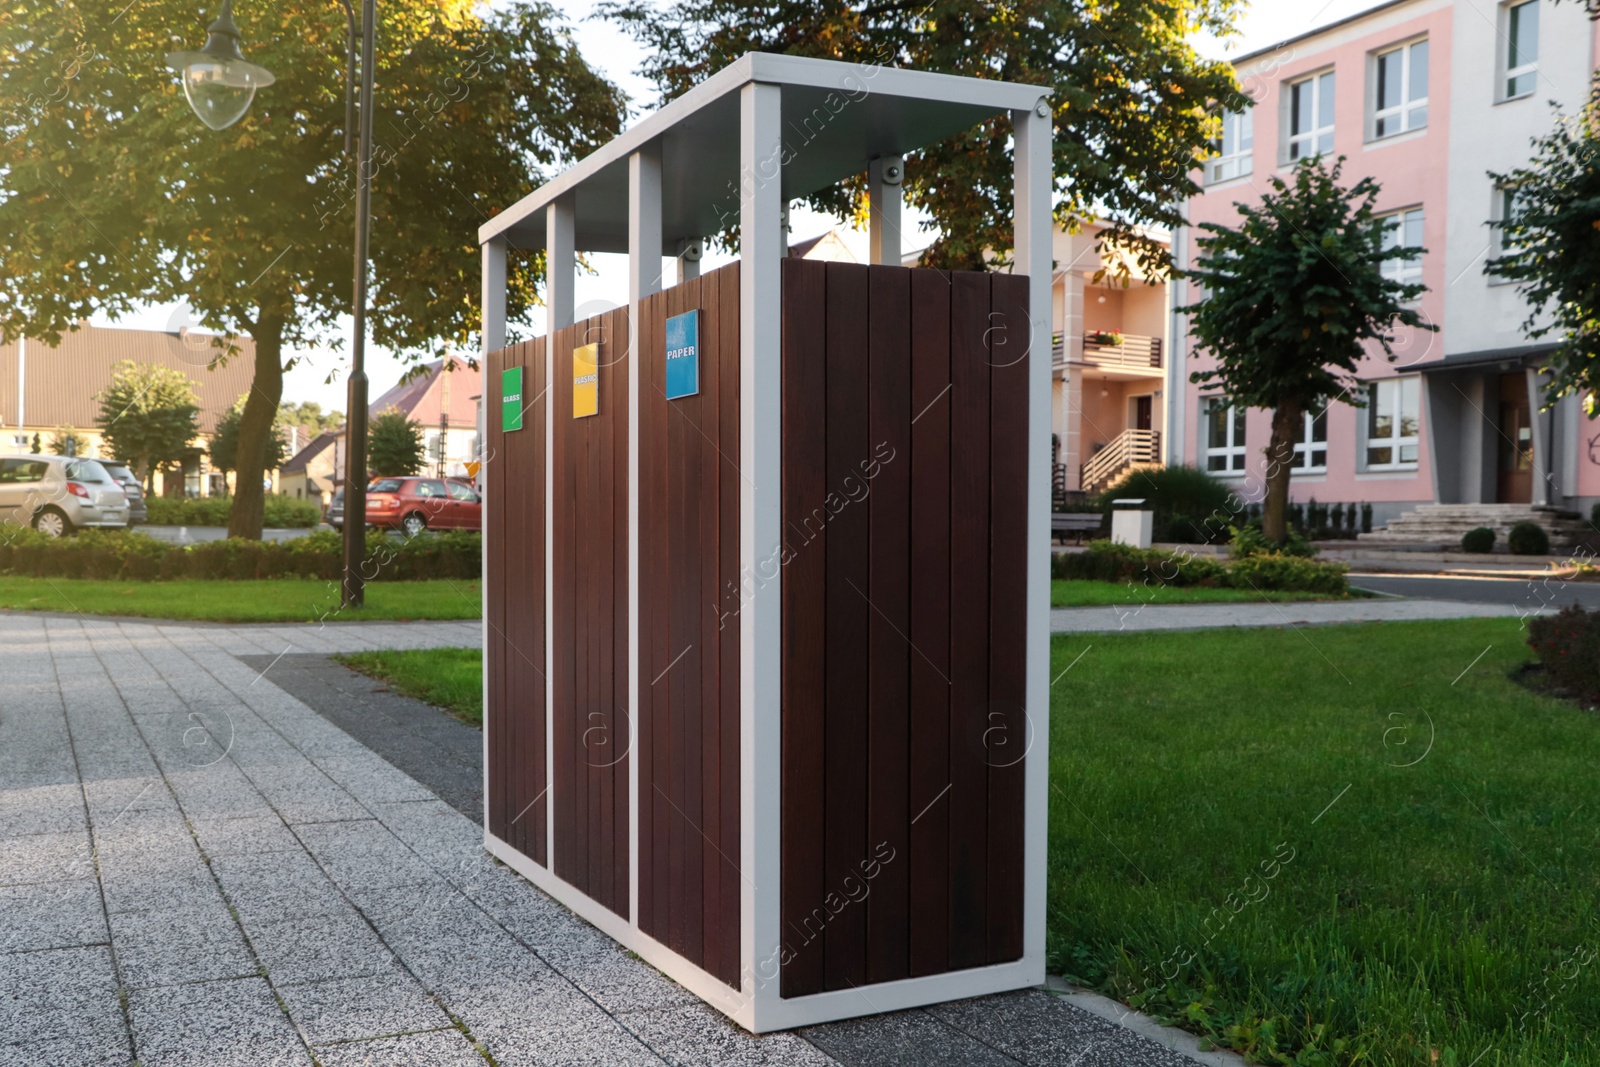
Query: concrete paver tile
{"points": [[214, 1024], [350, 1009], [51, 915], [902, 1039], [432, 1048], [53, 857], [694, 1034], [56, 994], [315, 948]]}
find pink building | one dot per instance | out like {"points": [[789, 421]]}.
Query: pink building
{"points": [[1427, 97]]}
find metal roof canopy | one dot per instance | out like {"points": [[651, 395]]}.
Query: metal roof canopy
{"points": [[837, 118]]}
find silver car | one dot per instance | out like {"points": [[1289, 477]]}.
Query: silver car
{"points": [[57, 494]]}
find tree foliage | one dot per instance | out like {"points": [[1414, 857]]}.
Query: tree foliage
{"points": [[115, 195], [394, 444], [224, 447], [1293, 297], [309, 414], [1133, 100], [148, 417], [1551, 246]]}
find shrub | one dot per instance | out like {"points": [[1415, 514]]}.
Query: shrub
{"points": [[1479, 540], [1191, 506], [1248, 540], [1568, 644], [279, 512], [1105, 561], [126, 556], [1594, 515], [1528, 539]]}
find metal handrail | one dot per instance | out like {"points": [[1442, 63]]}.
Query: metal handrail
{"points": [[1133, 351], [1126, 449]]}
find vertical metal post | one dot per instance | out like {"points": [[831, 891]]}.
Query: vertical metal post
{"points": [[884, 203], [1033, 184], [644, 279], [762, 246], [560, 238], [355, 426]]}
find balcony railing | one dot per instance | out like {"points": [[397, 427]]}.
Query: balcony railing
{"points": [[1130, 448], [1122, 350]]}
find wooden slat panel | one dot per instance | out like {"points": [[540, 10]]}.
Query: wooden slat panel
{"points": [[969, 617], [849, 592], [805, 490], [886, 472], [1008, 591], [929, 859]]}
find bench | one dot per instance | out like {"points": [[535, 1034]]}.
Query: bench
{"points": [[1074, 522]]}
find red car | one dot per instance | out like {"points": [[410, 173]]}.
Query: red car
{"points": [[413, 505]]}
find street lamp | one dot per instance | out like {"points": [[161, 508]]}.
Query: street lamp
{"points": [[220, 86]]}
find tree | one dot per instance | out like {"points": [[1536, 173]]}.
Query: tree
{"points": [[309, 413], [224, 448], [1292, 295], [1550, 247], [1133, 101], [115, 195], [36, 447], [148, 417], [65, 441], [394, 444]]}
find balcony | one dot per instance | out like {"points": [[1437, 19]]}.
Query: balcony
{"points": [[1113, 351]]}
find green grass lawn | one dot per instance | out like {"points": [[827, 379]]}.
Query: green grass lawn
{"points": [[264, 600], [1087, 594], [1237, 842], [452, 678]]}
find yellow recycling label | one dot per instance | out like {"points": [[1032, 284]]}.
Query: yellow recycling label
{"points": [[586, 380]]}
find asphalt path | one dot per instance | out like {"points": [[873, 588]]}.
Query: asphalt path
{"points": [[1528, 593]]}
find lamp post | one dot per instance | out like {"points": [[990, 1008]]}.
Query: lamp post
{"points": [[220, 85]]}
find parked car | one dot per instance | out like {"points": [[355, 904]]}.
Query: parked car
{"points": [[413, 505], [58, 494], [138, 511], [334, 516]]}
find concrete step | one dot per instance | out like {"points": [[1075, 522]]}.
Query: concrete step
{"points": [[1446, 523]]}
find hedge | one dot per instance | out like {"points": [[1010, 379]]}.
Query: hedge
{"points": [[281, 512], [1106, 561], [128, 556], [1568, 644]]}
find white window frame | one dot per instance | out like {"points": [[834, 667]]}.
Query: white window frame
{"points": [[1227, 165], [1501, 210], [1395, 441], [1306, 145], [1233, 453], [1309, 444], [1408, 271], [1400, 114], [1509, 74]]}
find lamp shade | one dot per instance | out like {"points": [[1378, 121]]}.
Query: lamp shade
{"points": [[217, 80]]}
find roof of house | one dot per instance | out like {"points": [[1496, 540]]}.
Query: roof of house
{"points": [[319, 444], [424, 396], [1239, 61], [827, 246], [62, 382]]}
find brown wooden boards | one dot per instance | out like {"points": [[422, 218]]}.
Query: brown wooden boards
{"points": [[513, 479], [904, 496], [589, 663], [690, 890]]}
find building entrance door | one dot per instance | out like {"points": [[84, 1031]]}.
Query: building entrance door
{"points": [[1515, 483], [1141, 416]]}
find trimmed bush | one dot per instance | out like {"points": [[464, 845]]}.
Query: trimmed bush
{"points": [[1528, 539], [279, 512], [126, 556], [1191, 506], [1568, 644], [1248, 540], [1105, 561], [1479, 540], [1594, 515]]}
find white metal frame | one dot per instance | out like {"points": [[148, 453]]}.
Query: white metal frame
{"points": [[1510, 74], [1394, 225], [759, 82], [1306, 144], [1400, 113], [1396, 440], [1240, 162]]}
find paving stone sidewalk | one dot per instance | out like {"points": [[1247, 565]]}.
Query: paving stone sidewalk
{"points": [[1134, 616], [197, 868]]}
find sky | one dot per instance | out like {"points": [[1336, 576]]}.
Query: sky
{"points": [[319, 376]]}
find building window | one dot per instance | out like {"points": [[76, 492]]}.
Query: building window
{"points": [[1392, 420], [1233, 158], [1311, 451], [1311, 116], [1521, 48], [1400, 97], [1403, 229], [1224, 429], [1507, 206]]}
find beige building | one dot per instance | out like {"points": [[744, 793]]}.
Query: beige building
{"points": [[44, 388]]}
